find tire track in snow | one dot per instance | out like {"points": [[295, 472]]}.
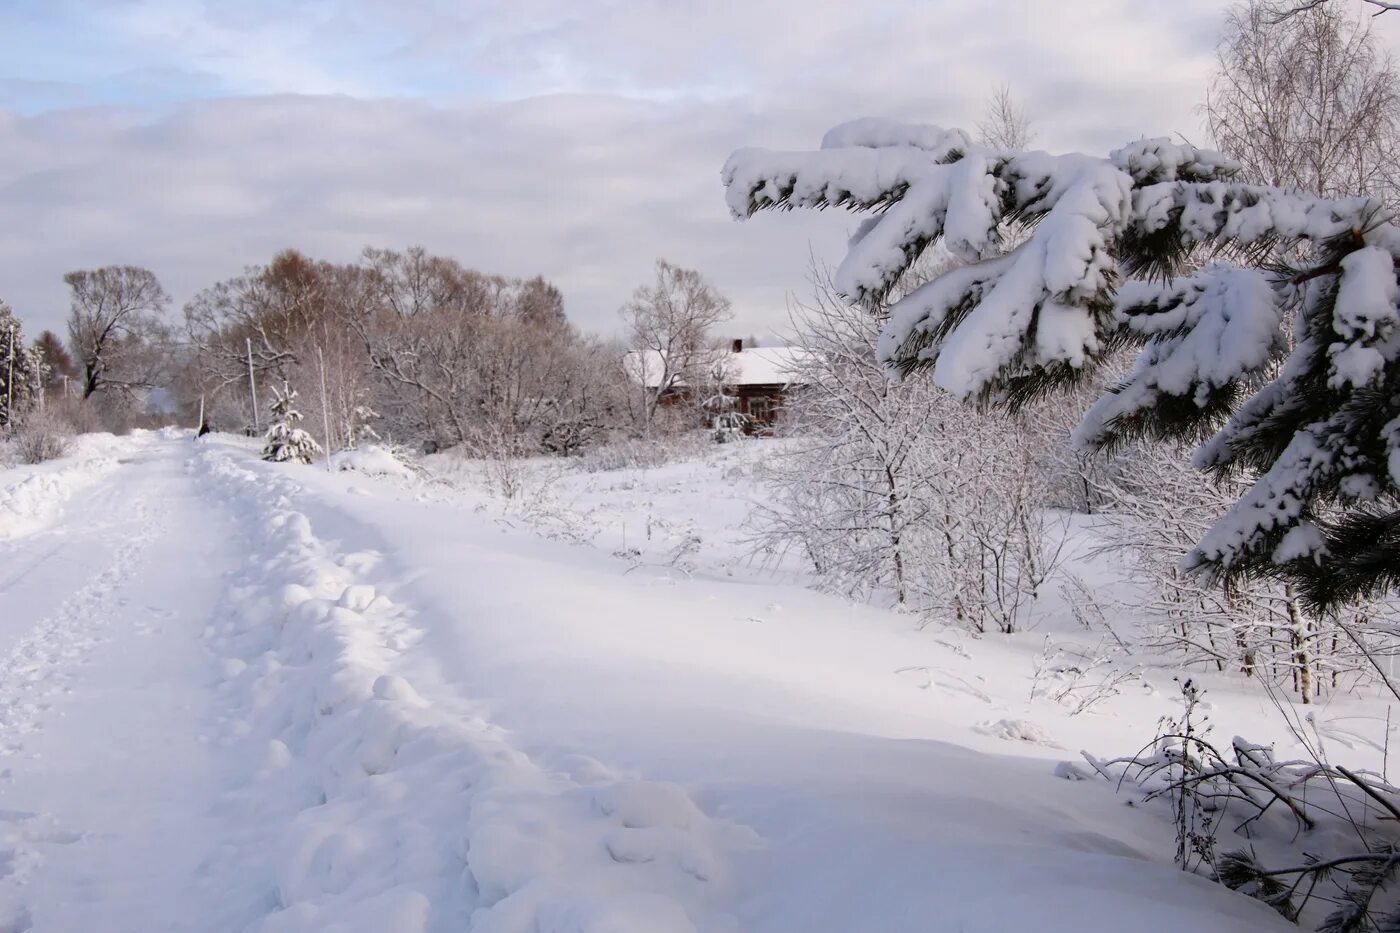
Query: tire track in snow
{"points": [[390, 811]]}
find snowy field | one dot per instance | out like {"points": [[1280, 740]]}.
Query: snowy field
{"points": [[237, 695]]}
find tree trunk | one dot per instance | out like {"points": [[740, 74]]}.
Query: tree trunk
{"points": [[1302, 657]]}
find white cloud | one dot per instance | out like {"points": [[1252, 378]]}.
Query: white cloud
{"points": [[584, 190], [577, 140]]}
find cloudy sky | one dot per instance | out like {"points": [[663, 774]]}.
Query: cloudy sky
{"points": [[578, 139]]}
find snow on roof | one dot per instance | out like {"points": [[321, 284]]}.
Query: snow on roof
{"points": [[765, 365], [748, 367]]}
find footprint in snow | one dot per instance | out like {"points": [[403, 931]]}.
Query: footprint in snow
{"points": [[927, 677], [920, 677], [1016, 730]]}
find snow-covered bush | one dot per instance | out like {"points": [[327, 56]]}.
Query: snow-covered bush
{"points": [[358, 429], [1157, 507], [373, 460], [1293, 344], [896, 487], [40, 436], [1315, 840], [285, 441], [727, 423]]}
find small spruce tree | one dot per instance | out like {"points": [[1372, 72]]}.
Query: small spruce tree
{"points": [[286, 441], [1283, 351], [358, 429]]}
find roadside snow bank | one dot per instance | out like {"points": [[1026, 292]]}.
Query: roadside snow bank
{"points": [[32, 496], [394, 810]]}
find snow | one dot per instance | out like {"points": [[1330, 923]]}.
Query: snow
{"points": [[31, 496], [360, 702], [1206, 331], [1273, 504], [1046, 284], [764, 366], [1303, 540], [1154, 161], [749, 366], [373, 459], [1365, 315], [877, 133]]}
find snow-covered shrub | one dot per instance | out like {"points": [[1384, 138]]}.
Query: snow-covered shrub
{"points": [[1155, 508], [40, 436], [727, 423], [373, 460], [285, 441], [358, 429], [77, 415], [1080, 676], [1315, 840], [897, 488]]}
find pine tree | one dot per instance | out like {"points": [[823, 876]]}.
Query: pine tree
{"points": [[1284, 351], [21, 370], [286, 441]]}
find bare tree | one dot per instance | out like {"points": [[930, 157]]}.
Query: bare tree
{"points": [[480, 361], [848, 494], [894, 488], [537, 301], [115, 328], [1290, 9], [1005, 125], [1306, 100], [668, 332]]}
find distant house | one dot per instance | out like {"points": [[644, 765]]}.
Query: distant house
{"points": [[760, 378], [754, 381]]}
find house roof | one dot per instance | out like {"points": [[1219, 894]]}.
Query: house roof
{"points": [[765, 366], [748, 367]]}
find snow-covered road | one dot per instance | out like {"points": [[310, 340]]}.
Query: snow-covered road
{"points": [[238, 695], [107, 772]]}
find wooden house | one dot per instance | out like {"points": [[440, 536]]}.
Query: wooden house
{"points": [[752, 382]]}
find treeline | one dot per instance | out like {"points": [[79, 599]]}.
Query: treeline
{"points": [[434, 353], [410, 346]]}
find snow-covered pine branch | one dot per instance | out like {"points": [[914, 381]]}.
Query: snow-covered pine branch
{"points": [[1045, 303], [1007, 325]]}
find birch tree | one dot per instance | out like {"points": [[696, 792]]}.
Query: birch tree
{"points": [[668, 330], [1307, 100]]}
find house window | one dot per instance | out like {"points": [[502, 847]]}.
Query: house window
{"points": [[761, 409]]}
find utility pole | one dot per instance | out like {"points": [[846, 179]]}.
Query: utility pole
{"points": [[253, 386], [10, 381]]}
